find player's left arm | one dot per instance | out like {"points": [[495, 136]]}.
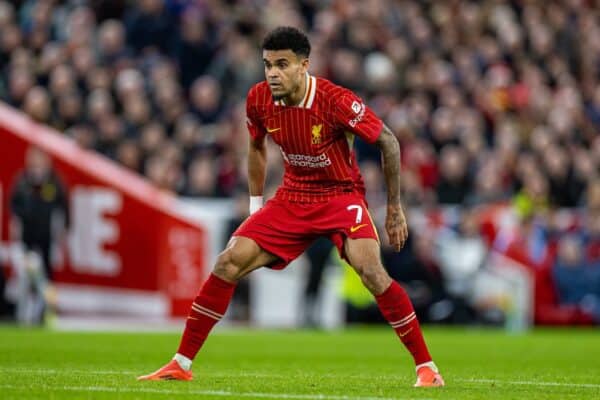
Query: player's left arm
{"points": [[395, 221], [354, 116]]}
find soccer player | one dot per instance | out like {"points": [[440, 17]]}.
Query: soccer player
{"points": [[314, 123]]}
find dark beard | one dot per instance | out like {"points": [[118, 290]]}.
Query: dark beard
{"points": [[277, 97]]}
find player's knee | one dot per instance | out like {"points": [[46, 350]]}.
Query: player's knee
{"points": [[227, 267], [374, 277]]}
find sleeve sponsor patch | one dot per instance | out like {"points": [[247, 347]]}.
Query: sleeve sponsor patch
{"points": [[357, 107], [359, 110]]}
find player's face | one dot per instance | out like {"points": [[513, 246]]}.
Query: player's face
{"points": [[284, 71]]}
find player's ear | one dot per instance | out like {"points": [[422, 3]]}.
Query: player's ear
{"points": [[304, 63]]}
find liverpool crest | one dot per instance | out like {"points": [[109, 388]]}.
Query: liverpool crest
{"points": [[316, 134]]}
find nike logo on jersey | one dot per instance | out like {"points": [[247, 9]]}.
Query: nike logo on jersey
{"points": [[357, 227], [271, 130]]}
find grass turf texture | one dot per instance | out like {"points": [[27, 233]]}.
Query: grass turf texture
{"points": [[357, 364]]}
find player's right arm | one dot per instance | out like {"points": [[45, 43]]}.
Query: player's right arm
{"points": [[257, 153], [257, 165]]}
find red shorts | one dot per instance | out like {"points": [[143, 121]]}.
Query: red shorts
{"points": [[286, 229]]}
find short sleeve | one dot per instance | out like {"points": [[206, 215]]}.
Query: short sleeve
{"points": [[255, 128], [354, 115]]}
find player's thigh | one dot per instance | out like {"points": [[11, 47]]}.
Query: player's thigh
{"points": [[364, 255], [241, 256]]}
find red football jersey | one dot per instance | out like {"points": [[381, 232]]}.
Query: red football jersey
{"points": [[315, 137]]}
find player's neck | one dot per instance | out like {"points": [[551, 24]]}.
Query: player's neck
{"points": [[297, 96]]}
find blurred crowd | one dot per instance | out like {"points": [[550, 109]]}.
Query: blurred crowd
{"points": [[492, 101]]}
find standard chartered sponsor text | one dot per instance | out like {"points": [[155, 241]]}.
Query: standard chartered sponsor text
{"points": [[304, 160]]}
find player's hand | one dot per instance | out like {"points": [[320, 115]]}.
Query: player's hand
{"points": [[396, 227]]}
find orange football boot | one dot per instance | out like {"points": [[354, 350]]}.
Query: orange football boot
{"points": [[427, 377], [170, 372]]}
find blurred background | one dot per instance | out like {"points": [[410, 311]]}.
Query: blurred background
{"points": [[123, 144]]}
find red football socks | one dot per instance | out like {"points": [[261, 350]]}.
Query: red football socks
{"points": [[398, 311], [207, 309]]}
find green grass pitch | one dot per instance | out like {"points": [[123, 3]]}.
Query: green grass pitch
{"points": [[355, 364]]}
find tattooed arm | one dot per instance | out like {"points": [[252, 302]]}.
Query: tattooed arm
{"points": [[395, 222]]}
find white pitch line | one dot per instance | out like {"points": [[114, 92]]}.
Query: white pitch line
{"points": [[281, 376], [215, 393], [134, 373], [533, 383], [64, 371]]}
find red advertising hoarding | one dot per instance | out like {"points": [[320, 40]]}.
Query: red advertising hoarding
{"points": [[125, 235]]}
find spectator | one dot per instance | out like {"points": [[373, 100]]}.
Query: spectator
{"points": [[453, 184], [203, 179], [37, 105], [83, 135], [533, 197], [591, 228], [577, 280], [61, 80], [137, 113], [149, 28], [161, 173], [53, 55], [128, 154], [564, 188], [188, 134], [37, 201], [19, 83], [153, 136], [112, 49], [83, 60], [68, 110], [195, 47], [99, 105], [489, 184], [206, 99], [461, 252], [236, 67]]}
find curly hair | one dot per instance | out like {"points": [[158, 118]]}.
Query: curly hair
{"points": [[287, 38]]}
